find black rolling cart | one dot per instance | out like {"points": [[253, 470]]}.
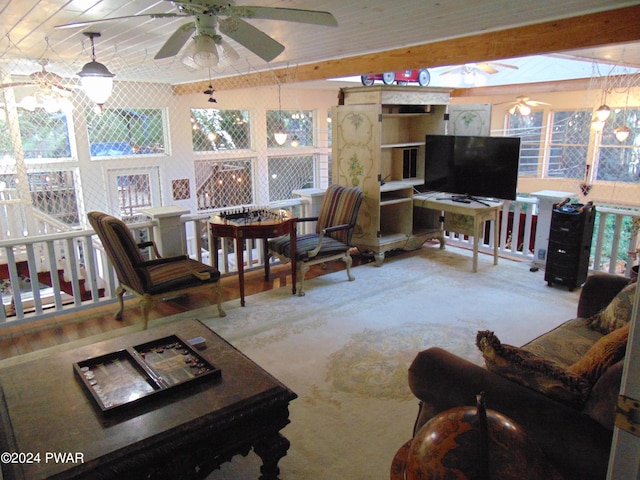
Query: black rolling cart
{"points": [[569, 244]]}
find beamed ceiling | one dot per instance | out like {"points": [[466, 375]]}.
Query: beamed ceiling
{"points": [[371, 36]]}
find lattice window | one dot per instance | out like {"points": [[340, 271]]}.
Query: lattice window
{"points": [[529, 129], [43, 134], [54, 193], [134, 193], [125, 131], [215, 130], [617, 160], [289, 173], [569, 145], [297, 124], [224, 183]]}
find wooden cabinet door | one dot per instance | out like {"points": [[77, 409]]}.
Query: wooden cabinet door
{"points": [[356, 162]]}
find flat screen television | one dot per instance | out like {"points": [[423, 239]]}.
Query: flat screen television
{"points": [[472, 166]]}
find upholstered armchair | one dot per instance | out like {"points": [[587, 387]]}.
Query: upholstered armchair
{"points": [[148, 278], [331, 240]]}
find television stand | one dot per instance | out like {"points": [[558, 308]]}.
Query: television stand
{"points": [[463, 218]]}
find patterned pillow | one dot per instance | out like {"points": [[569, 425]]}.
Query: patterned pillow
{"points": [[617, 313], [530, 370], [605, 352]]}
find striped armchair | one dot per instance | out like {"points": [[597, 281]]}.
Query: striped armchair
{"points": [[148, 278], [332, 238]]}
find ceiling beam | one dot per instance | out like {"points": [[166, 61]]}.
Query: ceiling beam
{"points": [[592, 30], [527, 89]]}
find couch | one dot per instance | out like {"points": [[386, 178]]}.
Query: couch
{"points": [[552, 386]]}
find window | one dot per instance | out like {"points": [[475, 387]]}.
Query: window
{"points": [[43, 135], [214, 130], [529, 129], [570, 132], [54, 193], [125, 131], [224, 183], [297, 124], [132, 189], [619, 161], [289, 173]]}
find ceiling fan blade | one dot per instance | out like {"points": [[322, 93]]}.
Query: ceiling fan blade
{"points": [[312, 17], [505, 103], [146, 15], [17, 84], [504, 65], [176, 41], [535, 103], [485, 67], [250, 37]]}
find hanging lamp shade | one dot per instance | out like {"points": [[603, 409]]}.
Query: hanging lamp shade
{"points": [[95, 78], [280, 137], [603, 112], [622, 133]]}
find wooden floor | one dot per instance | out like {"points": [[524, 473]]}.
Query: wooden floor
{"points": [[21, 339]]}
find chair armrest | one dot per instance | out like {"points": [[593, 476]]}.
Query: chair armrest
{"points": [[336, 228], [307, 219], [442, 380], [598, 291], [161, 261], [143, 245]]}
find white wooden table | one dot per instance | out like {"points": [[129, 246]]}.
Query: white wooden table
{"points": [[464, 218]]}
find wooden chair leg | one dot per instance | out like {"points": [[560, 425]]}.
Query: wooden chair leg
{"points": [[145, 303], [120, 294], [219, 299], [348, 261], [302, 269]]}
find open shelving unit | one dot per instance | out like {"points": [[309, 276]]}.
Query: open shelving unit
{"points": [[378, 144]]}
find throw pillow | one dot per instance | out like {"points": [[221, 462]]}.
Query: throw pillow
{"points": [[530, 370], [604, 353], [617, 313]]}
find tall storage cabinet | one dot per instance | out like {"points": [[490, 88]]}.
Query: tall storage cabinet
{"points": [[378, 145], [570, 244]]}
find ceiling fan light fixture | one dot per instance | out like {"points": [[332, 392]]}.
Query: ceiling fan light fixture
{"points": [[95, 78], [206, 51], [524, 109], [603, 113]]}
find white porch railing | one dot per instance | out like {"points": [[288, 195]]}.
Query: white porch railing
{"points": [[623, 253], [82, 277], [60, 273]]}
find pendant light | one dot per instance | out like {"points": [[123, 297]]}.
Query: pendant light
{"points": [[603, 112], [280, 135], [623, 131], [95, 78]]}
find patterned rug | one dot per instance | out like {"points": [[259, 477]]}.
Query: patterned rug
{"points": [[345, 347]]}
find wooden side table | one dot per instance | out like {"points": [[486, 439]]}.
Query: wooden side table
{"points": [[241, 230]]}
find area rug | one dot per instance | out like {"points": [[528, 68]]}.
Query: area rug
{"points": [[345, 348]]}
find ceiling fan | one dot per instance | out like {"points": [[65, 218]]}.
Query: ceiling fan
{"points": [[468, 71], [208, 45], [523, 105], [44, 79]]}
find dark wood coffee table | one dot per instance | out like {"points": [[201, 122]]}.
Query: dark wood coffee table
{"points": [[53, 429]]}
